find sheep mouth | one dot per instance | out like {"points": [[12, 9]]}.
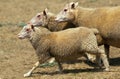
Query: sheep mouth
{"points": [[20, 37]]}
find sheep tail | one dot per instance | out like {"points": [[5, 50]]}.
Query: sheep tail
{"points": [[95, 31]]}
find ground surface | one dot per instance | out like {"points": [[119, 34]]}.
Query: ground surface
{"points": [[18, 56]]}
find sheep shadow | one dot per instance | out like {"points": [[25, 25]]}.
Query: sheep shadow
{"points": [[114, 61], [68, 71]]}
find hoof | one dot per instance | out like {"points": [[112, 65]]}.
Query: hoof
{"points": [[60, 72], [27, 74], [106, 70]]}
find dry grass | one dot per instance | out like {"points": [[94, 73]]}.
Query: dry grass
{"points": [[17, 56]]}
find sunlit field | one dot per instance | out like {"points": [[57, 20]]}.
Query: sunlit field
{"points": [[18, 56]]}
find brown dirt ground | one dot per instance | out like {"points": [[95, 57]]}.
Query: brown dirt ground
{"points": [[18, 56]]}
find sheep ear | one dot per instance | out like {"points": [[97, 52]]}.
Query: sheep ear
{"points": [[32, 27], [74, 5], [45, 11]]}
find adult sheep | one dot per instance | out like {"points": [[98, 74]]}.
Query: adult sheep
{"points": [[64, 45], [105, 19]]}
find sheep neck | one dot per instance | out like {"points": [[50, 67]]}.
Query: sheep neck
{"points": [[55, 26], [37, 35], [85, 17], [51, 25]]}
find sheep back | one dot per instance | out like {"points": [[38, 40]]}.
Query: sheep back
{"points": [[72, 43], [105, 19]]}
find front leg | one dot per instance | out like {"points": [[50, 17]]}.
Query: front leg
{"points": [[107, 50], [59, 66], [104, 59], [33, 68]]}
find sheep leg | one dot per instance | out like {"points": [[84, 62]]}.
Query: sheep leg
{"points": [[60, 67], [33, 68], [90, 57], [51, 60], [104, 59], [98, 59], [107, 50]]}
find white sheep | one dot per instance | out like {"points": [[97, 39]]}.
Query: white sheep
{"points": [[64, 45], [105, 19]]}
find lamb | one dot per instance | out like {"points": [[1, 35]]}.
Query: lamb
{"points": [[64, 45], [105, 19], [47, 19]]}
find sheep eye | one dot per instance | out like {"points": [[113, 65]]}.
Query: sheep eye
{"points": [[38, 16], [65, 10], [27, 29]]}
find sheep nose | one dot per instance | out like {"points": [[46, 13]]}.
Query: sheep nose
{"points": [[19, 36]]}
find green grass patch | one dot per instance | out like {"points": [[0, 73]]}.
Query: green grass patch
{"points": [[1, 25], [48, 64], [21, 24]]}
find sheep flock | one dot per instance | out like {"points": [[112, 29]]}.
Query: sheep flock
{"points": [[74, 32]]}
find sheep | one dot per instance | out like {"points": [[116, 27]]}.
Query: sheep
{"points": [[66, 45], [105, 19], [46, 19]]}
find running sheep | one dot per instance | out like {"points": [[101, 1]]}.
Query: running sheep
{"points": [[105, 19], [66, 45]]}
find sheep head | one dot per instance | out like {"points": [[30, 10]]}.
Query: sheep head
{"points": [[26, 31], [40, 19], [68, 12]]}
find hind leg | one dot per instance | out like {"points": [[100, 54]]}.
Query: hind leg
{"points": [[100, 55], [104, 59]]}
